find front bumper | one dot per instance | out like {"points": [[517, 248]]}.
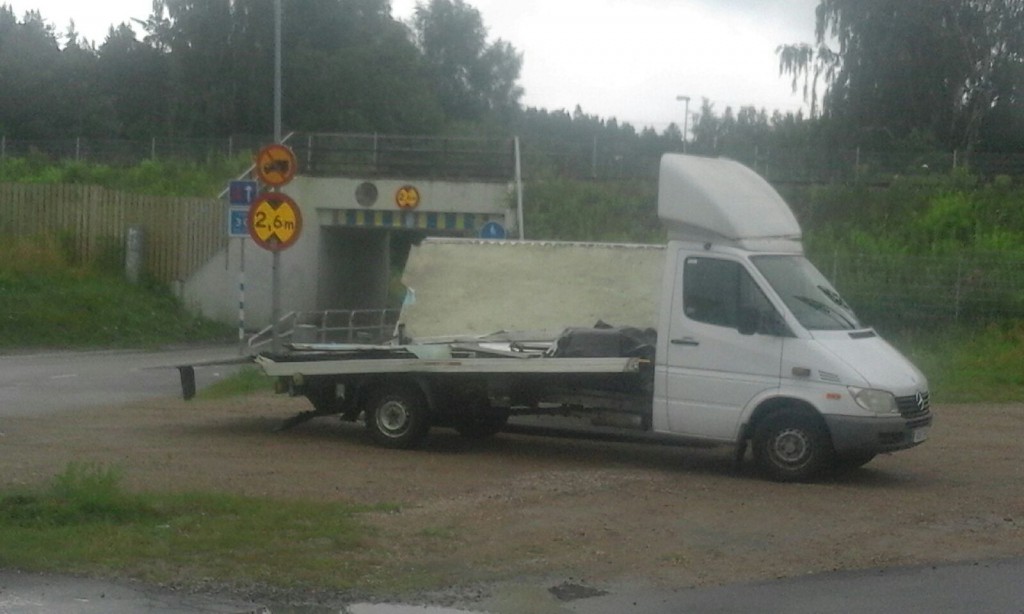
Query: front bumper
{"points": [[877, 434]]}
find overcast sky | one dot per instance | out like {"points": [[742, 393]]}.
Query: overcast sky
{"points": [[628, 59]]}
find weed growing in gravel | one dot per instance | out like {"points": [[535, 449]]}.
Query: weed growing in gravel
{"points": [[85, 521]]}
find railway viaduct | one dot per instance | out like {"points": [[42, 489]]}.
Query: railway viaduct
{"points": [[363, 199]]}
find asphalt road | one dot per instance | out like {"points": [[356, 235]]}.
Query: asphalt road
{"points": [[46, 382], [986, 586], [982, 586]]}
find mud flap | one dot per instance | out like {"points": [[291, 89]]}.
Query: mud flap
{"points": [[188, 381]]}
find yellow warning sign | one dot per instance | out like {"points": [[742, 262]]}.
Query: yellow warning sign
{"points": [[275, 221], [407, 197]]}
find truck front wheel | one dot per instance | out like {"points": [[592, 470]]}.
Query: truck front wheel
{"points": [[397, 417], [792, 446]]}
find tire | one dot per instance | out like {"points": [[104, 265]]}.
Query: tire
{"points": [[792, 446], [397, 417]]}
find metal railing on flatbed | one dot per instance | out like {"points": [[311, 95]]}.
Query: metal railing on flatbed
{"points": [[365, 326]]}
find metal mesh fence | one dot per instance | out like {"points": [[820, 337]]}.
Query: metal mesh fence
{"points": [[922, 291], [128, 152], [492, 158], [371, 155]]}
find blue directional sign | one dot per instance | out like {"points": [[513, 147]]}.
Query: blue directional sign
{"points": [[492, 230], [242, 193], [238, 222]]}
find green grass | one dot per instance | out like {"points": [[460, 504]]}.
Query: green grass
{"points": [[70, 310], [46, 301], [155, 177], [969, 364], [83, 521]]}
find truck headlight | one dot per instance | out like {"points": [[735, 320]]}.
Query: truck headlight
{"points": [[876, 401]]}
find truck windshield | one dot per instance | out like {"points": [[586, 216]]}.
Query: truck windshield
{"points": [[807, 293]]}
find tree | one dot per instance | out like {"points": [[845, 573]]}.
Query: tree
{"points": [[906, 67], [473, 78], [82, 110], [29, 57], [135, 78], [352, 67], [195, 35]]}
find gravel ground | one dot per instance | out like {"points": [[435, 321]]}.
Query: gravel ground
{"points": [[522, 510]]}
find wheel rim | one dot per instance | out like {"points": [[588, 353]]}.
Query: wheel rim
{"points": [[790, 447], [393, 418]]}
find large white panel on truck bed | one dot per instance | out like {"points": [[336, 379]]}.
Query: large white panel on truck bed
{"points": [[470, 287], [716, 199]]}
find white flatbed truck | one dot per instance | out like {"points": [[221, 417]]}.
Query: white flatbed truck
{"points": [[753, 347]]}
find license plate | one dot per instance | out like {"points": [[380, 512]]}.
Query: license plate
{"points": [[920, 434]]}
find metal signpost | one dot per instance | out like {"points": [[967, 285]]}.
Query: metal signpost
{"points": [[274, 220], [240, 196]]}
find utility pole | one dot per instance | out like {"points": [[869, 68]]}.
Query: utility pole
{"points": [[686, 118], [275, 267]]}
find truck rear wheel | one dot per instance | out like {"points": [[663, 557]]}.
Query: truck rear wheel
{"points": [[792, 446], [397, 417]]}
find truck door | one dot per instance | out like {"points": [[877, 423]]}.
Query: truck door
{"points": [[713, 369]]}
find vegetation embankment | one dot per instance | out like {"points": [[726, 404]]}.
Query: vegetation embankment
{"points": [[47, 301], [49, 298], [153, 177]]}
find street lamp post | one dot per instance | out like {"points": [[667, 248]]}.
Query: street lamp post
{"points": [[686, 118]]}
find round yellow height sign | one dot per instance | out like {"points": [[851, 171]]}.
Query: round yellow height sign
{"points": [[275, 221]]}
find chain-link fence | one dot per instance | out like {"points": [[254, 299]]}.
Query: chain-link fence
{"points": [[372, 155], [921, 291], [594, 158], [128, 152]]}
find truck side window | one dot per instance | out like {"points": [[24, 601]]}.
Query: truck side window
{"points": [[716, 291]]}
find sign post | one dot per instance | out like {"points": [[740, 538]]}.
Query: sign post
{"points": [[274, 219], [240, 196]]}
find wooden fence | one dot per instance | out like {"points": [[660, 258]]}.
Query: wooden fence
{"points": [[181, 234]]}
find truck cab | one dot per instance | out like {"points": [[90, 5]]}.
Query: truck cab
{"points": [[756, 346]]}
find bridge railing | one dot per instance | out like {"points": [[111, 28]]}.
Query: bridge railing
{"points": [[415, 157]]}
